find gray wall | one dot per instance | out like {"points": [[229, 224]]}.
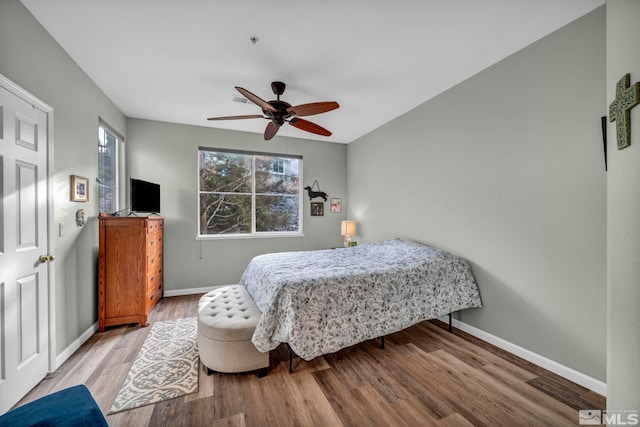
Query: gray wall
{"points": [[623, 200], [506, 169], [166, 153], [31, 58]]}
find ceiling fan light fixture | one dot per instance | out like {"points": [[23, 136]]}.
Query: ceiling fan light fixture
{"points": [[240, 99]]}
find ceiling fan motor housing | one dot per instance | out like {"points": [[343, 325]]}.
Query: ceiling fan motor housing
{"points": [[281, 114]]}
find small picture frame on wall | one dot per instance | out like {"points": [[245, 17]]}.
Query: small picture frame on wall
{"points": [[317, 208], [79, 189], [336, 205]]}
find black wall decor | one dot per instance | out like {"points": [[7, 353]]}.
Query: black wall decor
{"points": [[603, 123], [315, 193], [317, 209]]}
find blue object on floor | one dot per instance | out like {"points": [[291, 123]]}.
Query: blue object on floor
{"points": [[72, 406]]}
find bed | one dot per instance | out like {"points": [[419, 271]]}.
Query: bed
{"points": [[319, 302]]}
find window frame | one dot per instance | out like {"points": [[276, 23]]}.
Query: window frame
{"points": [[253, 234], [117, 156]]}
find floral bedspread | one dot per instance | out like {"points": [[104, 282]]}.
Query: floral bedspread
{"points": [[325, 300]]}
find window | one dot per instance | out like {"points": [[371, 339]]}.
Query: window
{"points": [[278, 166], [107, 169], [248, 194]]}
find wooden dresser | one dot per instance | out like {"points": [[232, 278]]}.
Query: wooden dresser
{"points": [[129, 269]]}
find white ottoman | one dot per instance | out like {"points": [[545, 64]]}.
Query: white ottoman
{"points": [[227, 318]]}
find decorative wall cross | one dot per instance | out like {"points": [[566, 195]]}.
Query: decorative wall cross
{"points": [[627, 97]]}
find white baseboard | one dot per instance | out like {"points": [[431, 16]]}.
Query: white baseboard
{"points": [[551, 365], [191, 291], [75, 345]]}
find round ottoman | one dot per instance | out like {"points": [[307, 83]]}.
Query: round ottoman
{"points": [[227, 318]]}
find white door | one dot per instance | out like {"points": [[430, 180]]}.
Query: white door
{"points": [[24, 238]]}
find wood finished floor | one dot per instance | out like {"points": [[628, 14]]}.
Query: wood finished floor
{"points": [[425, 376]]}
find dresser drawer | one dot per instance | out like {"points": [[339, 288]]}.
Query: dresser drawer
{"points": [[154, 291], [154, 226], [152, 299], [154, 261], [154, 281], [154, 241]]}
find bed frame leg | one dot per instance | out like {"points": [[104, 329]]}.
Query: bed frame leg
{"points": [[450, 328], [290, 359], [382, 343]]}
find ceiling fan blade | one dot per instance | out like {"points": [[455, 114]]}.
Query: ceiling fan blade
{"points": [[313, 108], [309, 127], [270, 131], [252, 116], [256, 99]]}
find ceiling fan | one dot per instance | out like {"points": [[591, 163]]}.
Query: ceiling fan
{"points": [[281, 112]]}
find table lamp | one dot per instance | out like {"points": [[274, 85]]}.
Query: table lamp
{"points": [[348, 229]]}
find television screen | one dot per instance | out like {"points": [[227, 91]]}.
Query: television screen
{"points": [[145, 196]]}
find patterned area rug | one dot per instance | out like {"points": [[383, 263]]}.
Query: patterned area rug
{"points": [[166, 366]]}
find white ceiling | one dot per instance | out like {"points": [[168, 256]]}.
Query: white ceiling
{"points": [[179, 60]]}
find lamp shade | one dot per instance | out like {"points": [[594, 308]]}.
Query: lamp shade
{"points": [[348, 228]]}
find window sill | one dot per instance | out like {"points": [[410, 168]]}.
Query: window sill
{"points": [[247, 236]]}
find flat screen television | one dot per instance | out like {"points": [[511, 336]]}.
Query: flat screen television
{"points": [[145, 196]]}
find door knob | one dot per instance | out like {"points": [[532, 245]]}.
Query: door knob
{"points": [[46, 258]]}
